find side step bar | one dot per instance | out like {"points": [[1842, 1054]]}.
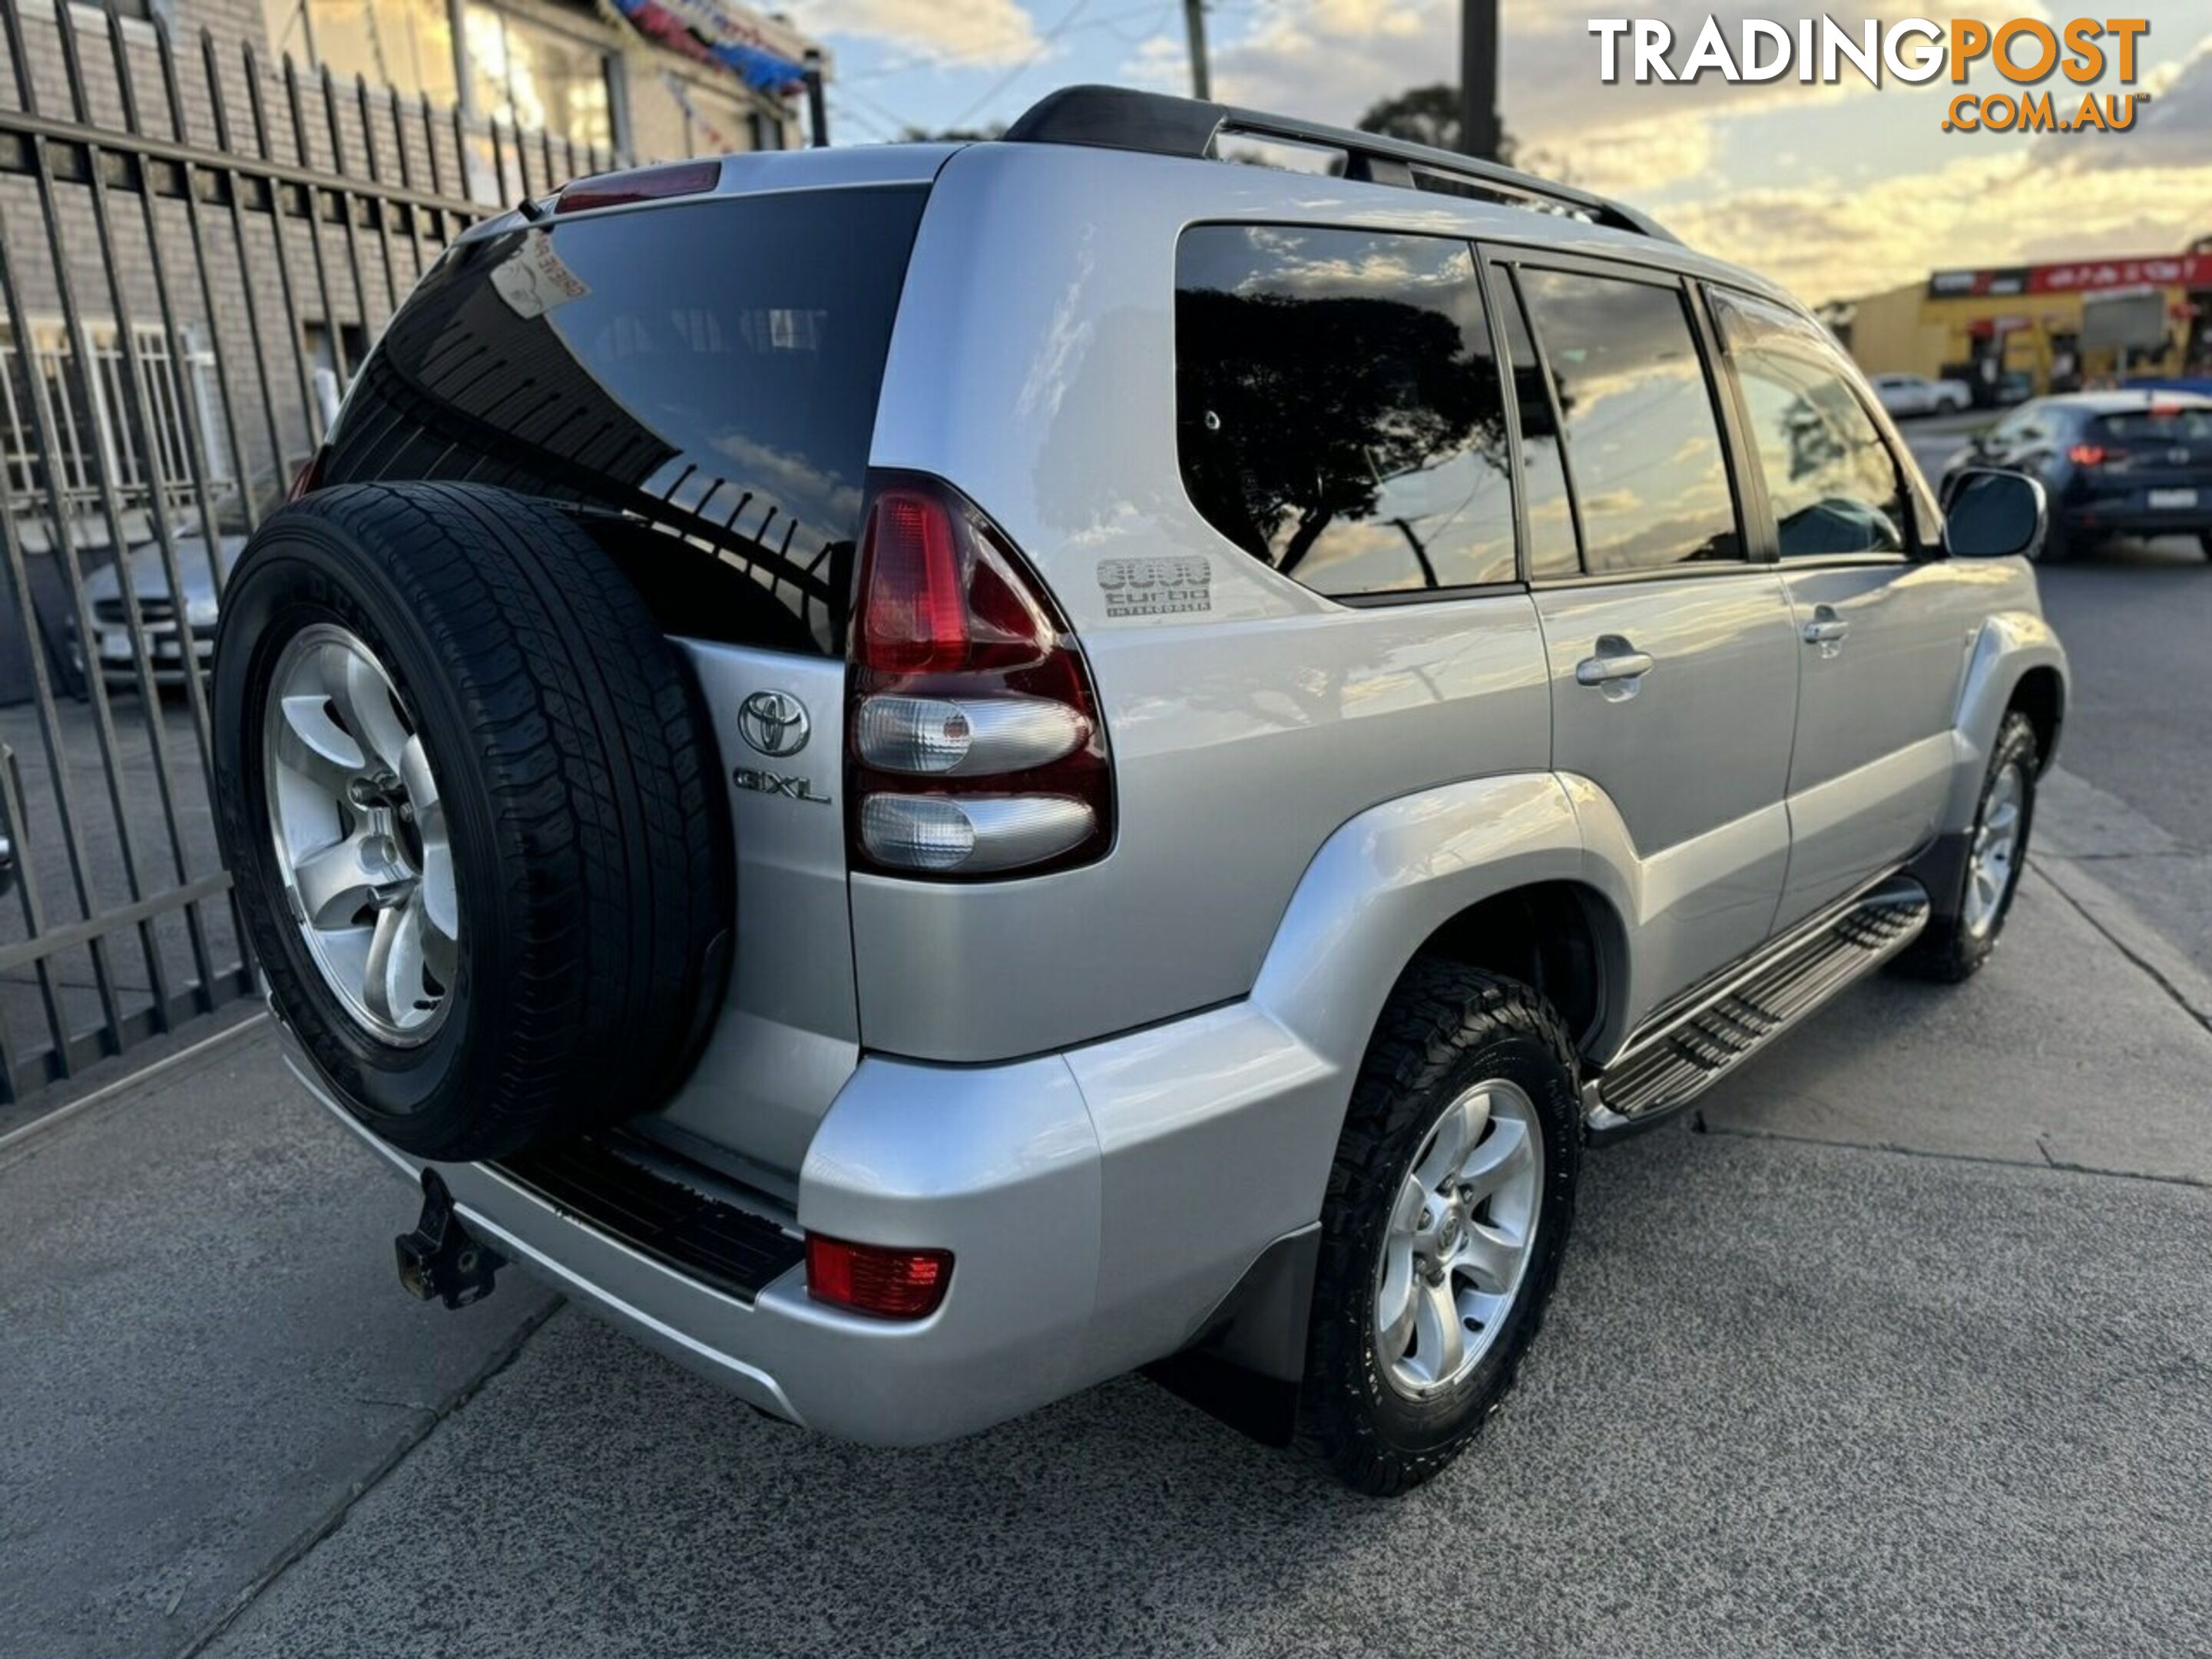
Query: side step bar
{"points": [[1684, 1051]]}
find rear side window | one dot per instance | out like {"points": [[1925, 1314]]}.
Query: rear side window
{"points": [[709, 369], [1643, 444], [1831, 481], [2156, 426], [1339, 414]]}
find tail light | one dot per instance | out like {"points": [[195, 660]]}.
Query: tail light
{"points": [[2093, 454], [974, 746], [889, 1282]]}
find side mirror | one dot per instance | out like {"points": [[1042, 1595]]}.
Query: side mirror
{"points": [[1989, 514]]}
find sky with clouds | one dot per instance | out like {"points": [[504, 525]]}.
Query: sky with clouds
{"points": [[1836, 190]]}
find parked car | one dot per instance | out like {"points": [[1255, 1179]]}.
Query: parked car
{"points": [[2129, 463], [1903, 395], [157, 610], [929, 774]]}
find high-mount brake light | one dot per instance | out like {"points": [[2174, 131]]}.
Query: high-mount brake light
{"points": [[974, 745], [639, 185]]}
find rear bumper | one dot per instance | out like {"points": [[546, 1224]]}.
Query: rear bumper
{"points": [[1079, 1249], [118, 660], [2133, 518]]}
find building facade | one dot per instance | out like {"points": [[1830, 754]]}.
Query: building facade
{"points": [[653, 79], [2035, 329], [474, 101]]}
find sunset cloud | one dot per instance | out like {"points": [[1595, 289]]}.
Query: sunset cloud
{"points": [[1836, 189]]}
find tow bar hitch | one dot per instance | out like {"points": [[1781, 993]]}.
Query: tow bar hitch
{"points": [[439, 1260]]}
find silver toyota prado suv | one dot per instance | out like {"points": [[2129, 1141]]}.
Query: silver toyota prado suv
{"points": [[929, 774]]}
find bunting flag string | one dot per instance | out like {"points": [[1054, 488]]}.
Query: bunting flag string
{"points": [[704, 33]]}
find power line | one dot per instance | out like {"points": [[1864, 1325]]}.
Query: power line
{"points": [[1143, 32], [953, 59], [860, 117], [1023, 67], [881, 108]]}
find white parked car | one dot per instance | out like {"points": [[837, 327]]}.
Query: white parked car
{"points": [[1916, 394]]}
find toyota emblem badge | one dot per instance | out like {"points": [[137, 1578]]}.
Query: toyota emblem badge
{"points": [[774, 722]]}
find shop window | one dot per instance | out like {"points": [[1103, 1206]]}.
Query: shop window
{"points": [[140, 446], [406, 44], [523, 75]]}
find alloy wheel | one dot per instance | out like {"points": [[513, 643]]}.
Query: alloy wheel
{"points": [[1990, 867], [360, 834], [1458, 1238]]}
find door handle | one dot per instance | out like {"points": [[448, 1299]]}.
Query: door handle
{"points": [[1826, 629], [1619, 667]]}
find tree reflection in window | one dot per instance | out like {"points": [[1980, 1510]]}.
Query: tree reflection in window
{"points": [[1339, 409], [1642, 442], [1832, 484]]}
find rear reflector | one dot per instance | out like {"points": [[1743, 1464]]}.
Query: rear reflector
{"points": [[639, 185], [877, 1278]]}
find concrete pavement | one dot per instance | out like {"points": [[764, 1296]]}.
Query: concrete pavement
{"points": [[204, 1353], [1792, 1398]]}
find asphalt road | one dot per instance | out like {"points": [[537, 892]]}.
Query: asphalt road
{"points": [[2136, 616], [1904, 1343]]}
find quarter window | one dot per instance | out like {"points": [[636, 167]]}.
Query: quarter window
{"points": [[1339, 415], [1643, 441], [1830, 479]]}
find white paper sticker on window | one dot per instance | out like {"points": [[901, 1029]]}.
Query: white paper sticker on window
{"points": [[533, 279]]}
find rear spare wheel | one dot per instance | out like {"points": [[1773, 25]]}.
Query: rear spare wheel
{"points": [[472, 806]]}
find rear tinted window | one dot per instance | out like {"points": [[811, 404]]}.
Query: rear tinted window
{"points": [[1337, 405], [1643, 448], [709, 369], [2169, 426]]}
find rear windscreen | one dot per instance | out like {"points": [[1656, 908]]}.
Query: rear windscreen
{"points": [[709, 369], [2172, 426]]}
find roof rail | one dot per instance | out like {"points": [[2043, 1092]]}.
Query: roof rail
{"points": [[1120, 118]]}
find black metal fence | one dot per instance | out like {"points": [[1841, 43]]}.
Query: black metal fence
{"points": [[197, 248]]}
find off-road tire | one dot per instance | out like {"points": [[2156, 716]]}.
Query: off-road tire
{"points": [[1446, 1027], [1948, 951], [581, 786]]}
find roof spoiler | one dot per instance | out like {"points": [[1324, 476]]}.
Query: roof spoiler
{"points": [[1156, 124]]}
